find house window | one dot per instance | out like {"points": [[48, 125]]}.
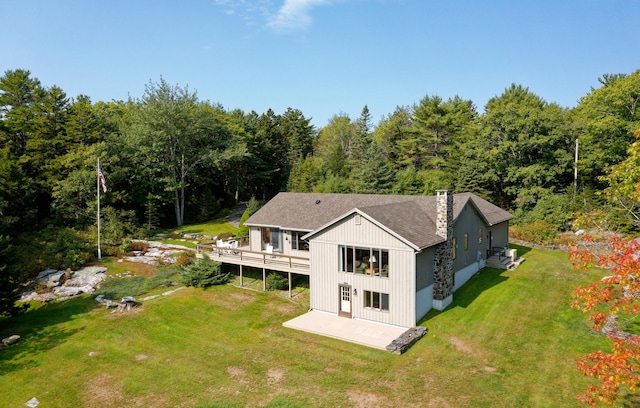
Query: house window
{"points": [[272, 237], [480, 236], [297, 242], [466, 241], [346, 259], [364, 261], [454, 248], [375, 300]]}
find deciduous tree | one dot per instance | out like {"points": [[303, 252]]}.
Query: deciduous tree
{"points": [[624, 182], [524, 149], [605, 121], [172, 136], [613, 298]]}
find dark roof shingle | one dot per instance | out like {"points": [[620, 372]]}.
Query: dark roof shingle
{"points": [[409, 217]]}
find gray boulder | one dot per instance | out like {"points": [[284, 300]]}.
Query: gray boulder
{"points": [[32, 296], [67, 291], [89, 276], [46, 273], [50, 278], [10, 340], [32, 403]]}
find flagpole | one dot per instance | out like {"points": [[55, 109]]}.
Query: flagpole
{"points": [[98, 188]]}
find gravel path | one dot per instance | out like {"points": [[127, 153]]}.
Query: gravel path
{"points": [[236, 214]]}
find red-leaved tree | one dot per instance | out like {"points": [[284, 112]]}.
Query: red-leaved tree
{"points": [[609, 300]]}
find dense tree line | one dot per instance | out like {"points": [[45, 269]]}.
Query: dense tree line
{"points": [[519, 153], [171, 158]]}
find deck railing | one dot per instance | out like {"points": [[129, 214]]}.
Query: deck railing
{"points": [[242, 256]]}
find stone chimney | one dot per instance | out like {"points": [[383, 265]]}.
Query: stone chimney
{"points": [[443, 262], [444, 214]]}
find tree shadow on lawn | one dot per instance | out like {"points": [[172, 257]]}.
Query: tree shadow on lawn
{"points": [[521, 249], [484, 280], [39, 330]]}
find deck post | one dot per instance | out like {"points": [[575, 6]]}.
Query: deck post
{"points": [[241, 281], [264, 279], [289, 273]]}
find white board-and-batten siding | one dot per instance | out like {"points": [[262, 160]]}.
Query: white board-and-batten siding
{"points": [[358, 231]]}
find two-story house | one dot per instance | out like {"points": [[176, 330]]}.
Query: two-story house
{"points": [[383, 258]]}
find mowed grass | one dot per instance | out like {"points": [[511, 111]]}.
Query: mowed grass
{"points": [[508, 340], [212, 228]]}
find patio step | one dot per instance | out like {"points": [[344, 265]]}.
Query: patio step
{"points": [[503, 262]]}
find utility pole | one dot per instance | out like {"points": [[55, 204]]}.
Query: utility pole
{"points": [[575, 173], [98, 215]]}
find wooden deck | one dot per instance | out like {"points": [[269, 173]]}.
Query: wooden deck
{"points": [[244, 257]]}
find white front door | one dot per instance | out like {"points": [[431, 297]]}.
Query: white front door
{"points": [[344, 300]]}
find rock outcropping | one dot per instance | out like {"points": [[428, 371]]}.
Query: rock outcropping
{"points": [[65, 284], [158, 253]]}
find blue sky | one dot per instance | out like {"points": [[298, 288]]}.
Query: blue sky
{"points": [[324, 57]]}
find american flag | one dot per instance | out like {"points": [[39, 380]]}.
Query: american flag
{"points": [[101, 177]]}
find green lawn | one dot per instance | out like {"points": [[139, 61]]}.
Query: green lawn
{"points": [[508, 340], [212, 228]]}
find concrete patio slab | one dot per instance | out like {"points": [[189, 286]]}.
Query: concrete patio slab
{"points": [[366, 333]]}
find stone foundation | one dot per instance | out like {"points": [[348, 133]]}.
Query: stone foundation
{"points": [[442, 304]]}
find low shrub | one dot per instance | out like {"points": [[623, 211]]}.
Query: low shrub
{"points": [[54, 247], [225, 236], [129, 245], [117, 288], [538, 232], [275, 281], [185, 258], [203, 273], [164, 277]]}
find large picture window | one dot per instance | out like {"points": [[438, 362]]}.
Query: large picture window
{"points": [[375, 300], [297, 242], [364, 261], [272, 238]]}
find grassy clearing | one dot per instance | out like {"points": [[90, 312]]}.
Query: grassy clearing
{"points": [[212, 228], [509, 339], [181, 242]]}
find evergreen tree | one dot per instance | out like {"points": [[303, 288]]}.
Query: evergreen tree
{"points": [[392, 129], [374, 175]]}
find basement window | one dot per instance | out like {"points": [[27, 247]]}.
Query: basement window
{"points": [[376, 300]]}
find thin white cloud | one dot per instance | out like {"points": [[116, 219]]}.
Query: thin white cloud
{"points": [[248, 10], [294, 14], [290, 16]]}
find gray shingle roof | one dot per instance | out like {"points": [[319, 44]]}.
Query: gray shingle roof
{"points": [[409, 217]]}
